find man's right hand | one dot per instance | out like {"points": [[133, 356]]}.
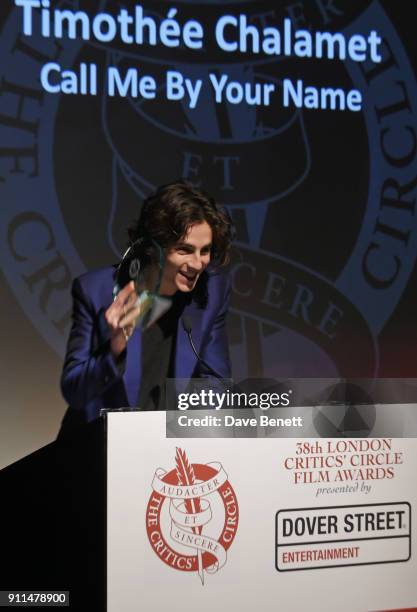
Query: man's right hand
{"points": [[121, 318]]}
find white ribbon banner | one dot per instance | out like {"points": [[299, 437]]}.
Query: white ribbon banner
{"points": [[186, 527], [198, 489]]}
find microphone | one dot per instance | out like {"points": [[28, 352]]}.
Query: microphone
{"points": [[187, 325]]}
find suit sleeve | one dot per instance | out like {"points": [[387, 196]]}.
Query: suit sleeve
{"points": [[89, 366], [216, 347]]}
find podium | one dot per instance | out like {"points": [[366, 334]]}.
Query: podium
{"points": [[144, 511], [214, 520]]}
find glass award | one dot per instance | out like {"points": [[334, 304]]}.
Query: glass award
{"points": [[143, 263]]}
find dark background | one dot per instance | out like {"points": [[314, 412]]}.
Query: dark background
{"points": [[299, 210]]}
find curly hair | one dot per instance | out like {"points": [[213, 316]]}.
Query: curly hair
{"points": [[167, 215]]}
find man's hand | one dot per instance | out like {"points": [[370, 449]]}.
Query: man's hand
{"points": [[121, 318]]}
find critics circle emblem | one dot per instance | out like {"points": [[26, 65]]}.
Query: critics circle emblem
{"points": [[342, 286], [192, 516]]}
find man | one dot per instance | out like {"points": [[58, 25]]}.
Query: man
{"points": [[111, 363]]}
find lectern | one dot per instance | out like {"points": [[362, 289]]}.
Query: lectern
{"points": [[239, 510], [233, 522]]}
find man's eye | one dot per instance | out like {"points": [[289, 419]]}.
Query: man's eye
{"points": [[182, 251]]}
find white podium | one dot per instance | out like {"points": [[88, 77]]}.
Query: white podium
{"points": [[270, 524]]}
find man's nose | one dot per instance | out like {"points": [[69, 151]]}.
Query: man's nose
{"points": [[196, 262]]}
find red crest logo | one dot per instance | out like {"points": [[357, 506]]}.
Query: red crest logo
{"points": [[192, 516]]}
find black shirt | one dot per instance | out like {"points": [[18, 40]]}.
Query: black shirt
{"points": [[158, 356]]}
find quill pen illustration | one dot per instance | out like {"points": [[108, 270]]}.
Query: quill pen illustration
{"points": [[186, 477]]}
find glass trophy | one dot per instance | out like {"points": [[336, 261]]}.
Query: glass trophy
{"points": [[143, 263]]}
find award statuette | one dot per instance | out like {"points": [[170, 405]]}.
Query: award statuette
{"points": [[143, 263]]}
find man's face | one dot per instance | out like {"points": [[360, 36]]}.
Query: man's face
{"points": [[186, 260]]}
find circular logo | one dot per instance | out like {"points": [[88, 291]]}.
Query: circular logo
{"points": [[192, 516], [326, 230]]}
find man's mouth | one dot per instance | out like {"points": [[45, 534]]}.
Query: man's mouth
{"points": [[190, 278]]}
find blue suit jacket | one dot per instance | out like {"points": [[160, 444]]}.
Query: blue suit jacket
{"points": [[92, 380]]}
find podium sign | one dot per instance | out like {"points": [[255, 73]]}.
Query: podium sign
{"points": [[258, 523]]}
